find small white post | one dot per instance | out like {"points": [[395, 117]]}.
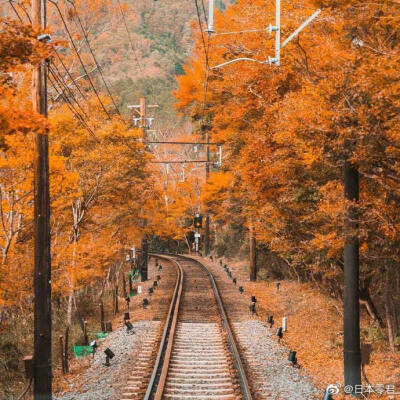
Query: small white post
{"points": [[284, 324], [220, 155], [210, 28], [139, 289]]}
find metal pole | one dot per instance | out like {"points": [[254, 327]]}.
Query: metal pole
{"points": [[42, 389], [210, 28], [278, 33], [352, 354]]}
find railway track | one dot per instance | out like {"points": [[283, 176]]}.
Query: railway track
{"points": [[198, 356]]}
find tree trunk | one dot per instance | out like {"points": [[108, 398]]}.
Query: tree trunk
{"points": [[66, 361], [366, 300], [116, 308], [253, 254], [124, 286], [389, 321]]}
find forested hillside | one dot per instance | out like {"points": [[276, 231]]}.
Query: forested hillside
{"points": [[289, 133]]}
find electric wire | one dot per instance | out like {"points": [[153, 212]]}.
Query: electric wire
{"points": [[204, 11], [67, 101], [129, 35], [201, 30], [80, 58], [15, 11], [133, 46], [93, 55], [25, 12], [70, 76], [80, 119], [68, 89], [61, 93]]}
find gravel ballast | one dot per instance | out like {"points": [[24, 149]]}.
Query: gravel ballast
{"points": [[271, 374], [99, 382]]}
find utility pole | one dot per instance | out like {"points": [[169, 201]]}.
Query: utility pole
{"points": [[42, 375], [143, 121], [352, 353]]}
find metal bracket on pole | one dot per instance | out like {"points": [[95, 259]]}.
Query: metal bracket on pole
{"points": [[300, 28], [276, 60]]}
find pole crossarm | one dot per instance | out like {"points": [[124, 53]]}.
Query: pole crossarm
{"points": [[188, 143], [182, 162], [239, 32]]}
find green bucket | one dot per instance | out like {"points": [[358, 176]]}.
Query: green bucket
{"points": [[81, 351], [101, 335]]}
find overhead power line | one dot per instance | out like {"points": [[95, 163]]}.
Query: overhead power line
{"points": [[80, 58], [133, 47], [68, 102], [93, 55]]}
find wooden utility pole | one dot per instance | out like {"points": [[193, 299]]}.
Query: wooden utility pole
{"points": [[253, 254], [352, 353], [42, 388], [143, 121]]}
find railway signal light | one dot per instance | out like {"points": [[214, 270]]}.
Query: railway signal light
{"points": [[234, 281], [253, 308], [150, 291], [158, 277], [145, 303], [198, 221], [270, 320], [126, 316], [241, 290], [253, 299], [155, 284]]}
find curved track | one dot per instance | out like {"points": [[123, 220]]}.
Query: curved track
{"points": [[198, 356]]}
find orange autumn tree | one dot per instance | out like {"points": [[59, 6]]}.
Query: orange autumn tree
{"points": [[288, 130]]}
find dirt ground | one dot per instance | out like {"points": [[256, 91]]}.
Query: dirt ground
{"points": [[315, 332]]}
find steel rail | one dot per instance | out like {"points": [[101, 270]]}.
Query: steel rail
{"points": [[244, 383], [164, 352], [170, 331]]}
